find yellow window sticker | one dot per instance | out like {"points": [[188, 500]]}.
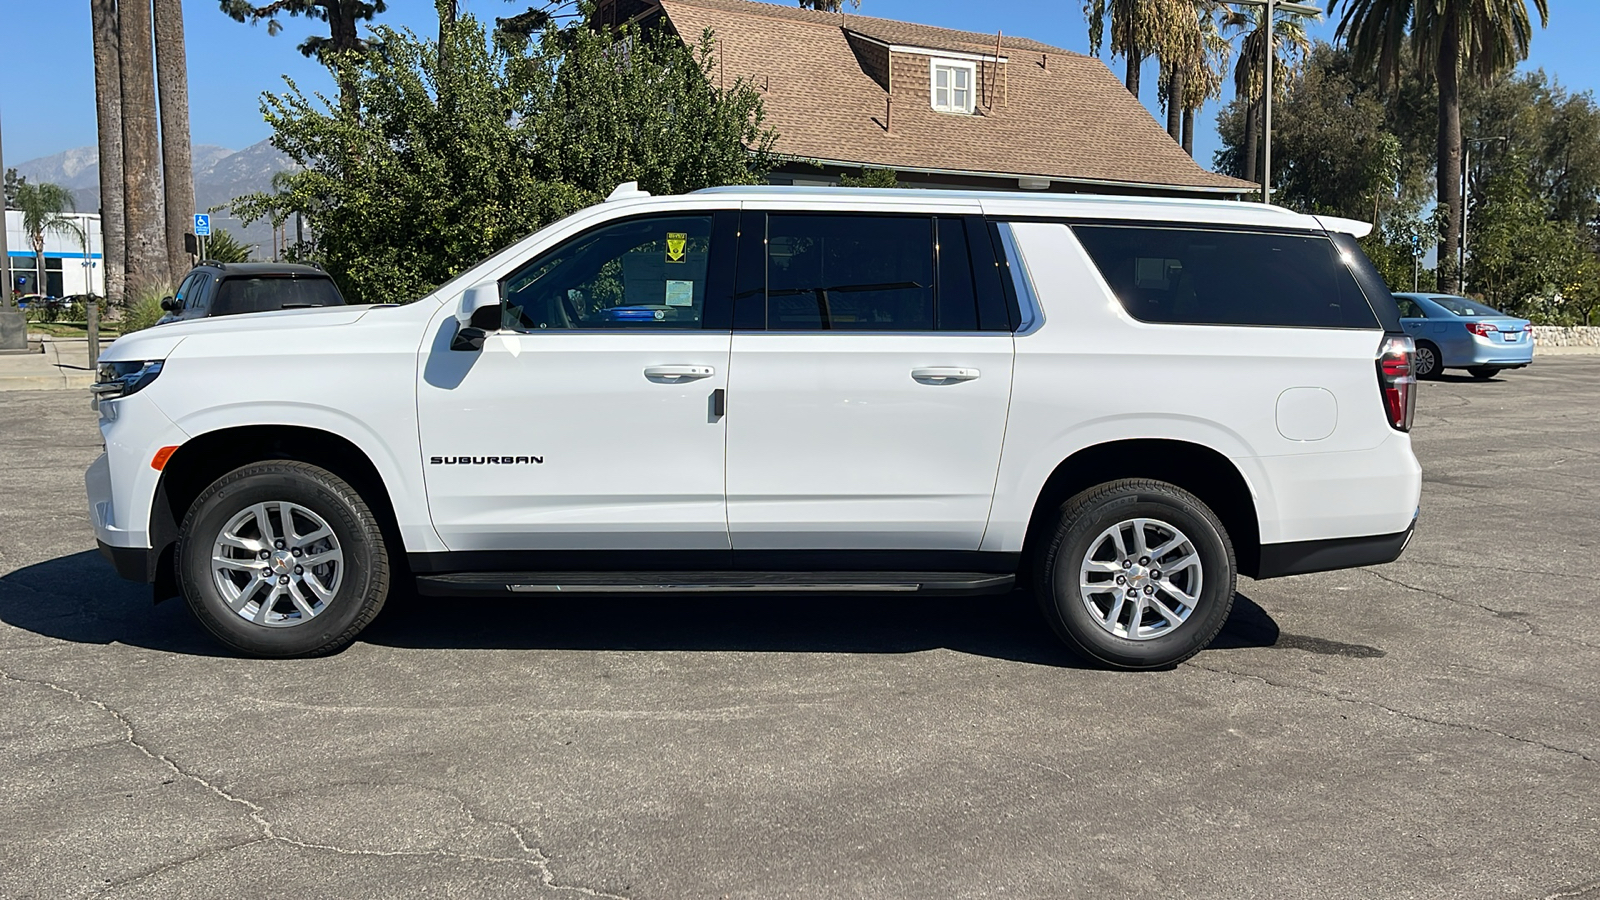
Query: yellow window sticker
{"points": [[676, 240]]}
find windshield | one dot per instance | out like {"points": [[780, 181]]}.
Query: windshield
{"points": [[1464, 307]]}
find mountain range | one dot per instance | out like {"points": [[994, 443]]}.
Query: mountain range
{"points": [[220, 175]]}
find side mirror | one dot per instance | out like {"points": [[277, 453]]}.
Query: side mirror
{"points": [[480, 307], [468, 338], [171, 304]]}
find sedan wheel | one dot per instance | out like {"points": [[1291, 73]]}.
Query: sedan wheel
{"points": [[1428, 362]]}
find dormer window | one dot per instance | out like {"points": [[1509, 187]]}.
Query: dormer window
{"points": [[952, 85]]}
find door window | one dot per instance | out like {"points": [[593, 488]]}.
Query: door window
{"points": [[646, 273], [189, 292], [850, 273], [1409, 309]]}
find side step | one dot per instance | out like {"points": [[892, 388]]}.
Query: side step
{"points": [[501, 584]]}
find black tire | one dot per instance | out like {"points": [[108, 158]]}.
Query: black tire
{"points": [[1483, 373], [358, 594], [1083, 520], [1430, 362]]}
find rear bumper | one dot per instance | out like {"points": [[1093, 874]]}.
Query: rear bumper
{"points": [[1302, 557], [1499, 354]]}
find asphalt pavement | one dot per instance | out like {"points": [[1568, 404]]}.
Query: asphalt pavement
{"points": [[1429, 728]]}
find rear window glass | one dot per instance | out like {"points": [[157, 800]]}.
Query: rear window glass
{"points": [[269, 292], [1463, 307], [1194, 277]]}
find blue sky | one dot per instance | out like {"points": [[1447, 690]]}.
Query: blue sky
{"points": [[47, 72]]}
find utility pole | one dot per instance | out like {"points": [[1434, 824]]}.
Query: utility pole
{"points": [[1273, 6], [1466, 198]]}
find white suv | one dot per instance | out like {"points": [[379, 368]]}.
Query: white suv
{"points": [[1120, 403]]}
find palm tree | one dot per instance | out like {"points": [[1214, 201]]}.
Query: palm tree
{"points": [[108, 117], [44, 207], [828, 5], [1443, 38], [1192, 63], [1139, 29], [1290, 44], [147, 261], [172, 81], [343, 17]]}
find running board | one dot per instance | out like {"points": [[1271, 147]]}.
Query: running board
{"points": [[500, 584]]}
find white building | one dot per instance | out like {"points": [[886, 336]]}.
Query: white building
{"points": [[73, 264]]}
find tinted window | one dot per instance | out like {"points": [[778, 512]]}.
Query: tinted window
{"points": [[958, 294], [263, 293], [641, 273], [1464, 307], [850, 273], [1227, 277], [189, 292]]}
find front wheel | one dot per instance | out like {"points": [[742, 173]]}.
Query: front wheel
{"points": [[281, 559], [1483, 373], [1138, 574]]}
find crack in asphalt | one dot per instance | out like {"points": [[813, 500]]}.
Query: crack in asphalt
{"points": [[1579, 891], [1415, 717], [532, 856], [1504, 615]]}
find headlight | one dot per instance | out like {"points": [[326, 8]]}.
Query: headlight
{"points": [[119, 379]]}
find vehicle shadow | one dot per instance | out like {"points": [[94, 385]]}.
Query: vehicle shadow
{"points": [[79, 598]]}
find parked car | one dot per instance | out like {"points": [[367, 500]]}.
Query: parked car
{"points": [[226, 289], [1122, 403], [1460, 333]]}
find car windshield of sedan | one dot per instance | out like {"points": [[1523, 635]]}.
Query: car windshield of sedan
{"points": [[1464, 307]]}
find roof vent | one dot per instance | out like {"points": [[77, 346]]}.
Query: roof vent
{"points": [[628, 190], [1031, 183]]}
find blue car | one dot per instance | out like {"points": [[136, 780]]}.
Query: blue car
{"points": [[1458, 333]]}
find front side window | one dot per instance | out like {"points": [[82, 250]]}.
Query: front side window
{"points": [[952, 85], [850, 273], [188, 293], [1198, 277], [641, 273]]}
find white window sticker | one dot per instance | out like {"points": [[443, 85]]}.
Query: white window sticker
{"points": [[680, 293]]}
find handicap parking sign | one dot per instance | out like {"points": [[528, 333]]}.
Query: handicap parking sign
{"points": [[202, 225]]}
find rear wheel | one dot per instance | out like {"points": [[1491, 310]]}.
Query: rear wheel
{"points": [[281, 559], [1138, 574], [1429, 363], [1483, 373]]}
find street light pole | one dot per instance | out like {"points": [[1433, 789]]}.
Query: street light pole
{"points": [[5, 254], [1272, 6], [1466, 197]]}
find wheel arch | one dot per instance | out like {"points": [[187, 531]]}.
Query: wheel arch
{"points": [[206, 457], [1196, 468]]}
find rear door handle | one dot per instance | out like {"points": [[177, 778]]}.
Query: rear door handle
{"points": [[679, 373], [943, 374]]}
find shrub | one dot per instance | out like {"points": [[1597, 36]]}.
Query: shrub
{"points": [[144, 307]]}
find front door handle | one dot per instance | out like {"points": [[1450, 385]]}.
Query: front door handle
{"points": [[678, 373], [943, 374]]}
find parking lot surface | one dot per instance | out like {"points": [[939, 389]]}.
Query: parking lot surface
{"points": [[1425, 729]]}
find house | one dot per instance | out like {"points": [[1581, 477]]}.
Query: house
{"points": [[942, 108]]}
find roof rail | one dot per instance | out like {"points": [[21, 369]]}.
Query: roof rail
{"points": [[213, 262]]}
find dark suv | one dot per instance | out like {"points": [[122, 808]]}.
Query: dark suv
{"points": [[226, 289]]}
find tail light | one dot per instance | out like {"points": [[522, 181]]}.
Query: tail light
{"points": [[1397, 379], [1482, 329]]}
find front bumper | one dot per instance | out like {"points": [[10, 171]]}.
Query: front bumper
{"points": [[132, 563]]}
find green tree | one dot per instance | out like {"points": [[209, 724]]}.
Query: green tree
{"points": [[870, 178], [223, 247], [44, 207], [1139, 29], [828, 5], [1443, 38], [14, 183], [440, 167]]}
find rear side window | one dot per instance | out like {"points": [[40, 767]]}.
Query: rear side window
{"points": [[1195, 277], [265, 293], [850, 273]]}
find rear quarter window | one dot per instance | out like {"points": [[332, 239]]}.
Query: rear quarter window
{"points": [[1203, 277]]}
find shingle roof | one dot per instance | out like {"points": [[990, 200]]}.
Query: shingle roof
{"points": [[1070, 121]]}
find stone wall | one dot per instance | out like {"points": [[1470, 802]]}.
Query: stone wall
{"points": [[1558, 336]]}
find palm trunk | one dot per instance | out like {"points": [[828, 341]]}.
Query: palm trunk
{"points": [[1188, 131], [141, 169], [108, 117], [1448, 175], [1252, 141], [1175, 88], [1135, 60], [172, 80]]}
